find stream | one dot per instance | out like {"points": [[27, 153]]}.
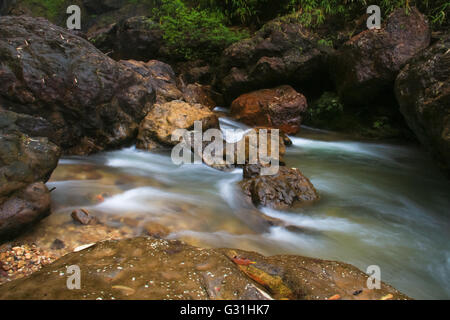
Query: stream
{"points": [[381, 204]]}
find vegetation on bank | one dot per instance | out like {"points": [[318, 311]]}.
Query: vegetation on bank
{"points": [[194, 33], [314, 12], [212, 25]]}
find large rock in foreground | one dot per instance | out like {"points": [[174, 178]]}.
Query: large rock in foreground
{"points": [[281, 108], [91, 101], [282, 51], [423, 92], [365, 67], [143, 268], [288, 188], [26, 162]]}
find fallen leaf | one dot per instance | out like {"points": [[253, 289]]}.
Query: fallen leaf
{"points": [[243, 261]]}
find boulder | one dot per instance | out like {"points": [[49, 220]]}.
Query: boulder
{"points": [[135, 38], [282, 51], [281, 108], [252, 145], [423, 93], [196, 71], [365, 67], [168, 87], [154, 269], [26, 162], [161, 122], [160, 75], [91, 101], [202, 94], [288, 188], [24, 208]]}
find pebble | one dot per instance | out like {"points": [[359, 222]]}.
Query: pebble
{"points": [[21, 261]]}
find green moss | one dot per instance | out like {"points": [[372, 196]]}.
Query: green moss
{"points": [[315, 12], [194, 33], [49, 9]]}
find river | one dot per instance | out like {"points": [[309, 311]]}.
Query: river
{"points": [[381, 204]]}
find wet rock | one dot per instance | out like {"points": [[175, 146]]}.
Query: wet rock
{"points": [[365, 67], [57, 245], [288, 188], [423, 92], [282, 51], [161, 122], [156, 230], [25, 156], [24, 208], [255, 146], [169, 88], [144, 268], [202, 94], [26, 162], [91, 101], [82, 216], [281, 108], [160, 75]]}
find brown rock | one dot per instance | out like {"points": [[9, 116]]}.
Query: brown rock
{"points": [[282, 51], [26, 162], [202, 94], [57, 245], [283, 190], [156, 230], [82, 216], [24, 208], [221, 276], [160, 123], [91, 101], [423, 92], [160, 75], [281, 108], [365, 67]]}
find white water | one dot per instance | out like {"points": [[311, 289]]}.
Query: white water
{"points": [[380, 204]]}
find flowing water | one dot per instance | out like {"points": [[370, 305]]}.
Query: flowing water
{"points": [[381, 204]]}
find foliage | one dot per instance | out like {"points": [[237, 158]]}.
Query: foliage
{"points": [[327, 107], [47, 8], [194, 33], [315, 12]]}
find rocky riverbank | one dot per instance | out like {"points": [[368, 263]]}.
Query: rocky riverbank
{"points": [[61, 93], [144, 268]]}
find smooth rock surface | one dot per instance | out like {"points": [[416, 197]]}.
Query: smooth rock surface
{"points": [[423, 92], [365, 67], [92, 102], [281, 108], [145, 268]]}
